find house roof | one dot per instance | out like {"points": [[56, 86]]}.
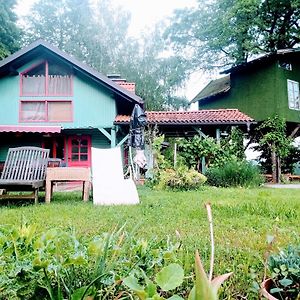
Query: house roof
{"points": [[200, 117], [12, 62], [222, 85], [262, 59], [215, 87]]}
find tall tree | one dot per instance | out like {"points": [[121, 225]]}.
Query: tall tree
{"points": [[217, 33], [97, 33], [158, 74], [9, 32]]}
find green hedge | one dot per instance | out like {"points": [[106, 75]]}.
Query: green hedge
{"points": [[233, 174]]}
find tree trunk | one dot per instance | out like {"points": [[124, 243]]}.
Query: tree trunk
{"points": [[274, 165], [278, 169]]}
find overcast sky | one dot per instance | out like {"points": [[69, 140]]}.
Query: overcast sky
{"points": [[144, 14]]}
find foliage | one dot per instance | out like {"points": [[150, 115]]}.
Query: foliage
{"points": [[247, 216], [157, 76], [287, 163], [180, 178], [273, 134], [224, 32], [234, 173], [96, 32], [9, 32], [285, 272], [169, 278], [58, 265], [274, 143], [168, 176], [216, 154]]}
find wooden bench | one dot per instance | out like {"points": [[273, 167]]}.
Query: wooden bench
{"points": [[24, 170], [288, 177]]}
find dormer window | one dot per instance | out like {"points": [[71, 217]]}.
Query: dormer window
{"points": [[45, 79], [293, 94]]}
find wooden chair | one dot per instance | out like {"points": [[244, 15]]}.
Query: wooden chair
{"points": [[24, 170]]}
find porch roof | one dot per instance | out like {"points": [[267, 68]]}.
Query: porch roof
{"points": [[200, 117], [30, 128]]}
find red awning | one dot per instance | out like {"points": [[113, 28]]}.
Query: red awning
{"points": [[33, 129]]}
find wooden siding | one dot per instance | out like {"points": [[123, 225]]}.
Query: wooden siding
{"points": [[260, 93], [8, 140], [93, 104]]}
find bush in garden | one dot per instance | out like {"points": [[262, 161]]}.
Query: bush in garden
{"points": [[180, 178], [234, 173]]}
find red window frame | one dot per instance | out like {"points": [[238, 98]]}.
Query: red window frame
{"points": [[46, 111], [79, 163], [22, 74]]}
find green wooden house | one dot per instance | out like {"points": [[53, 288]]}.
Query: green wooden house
{"points": [[261, 88], [51, 100]]}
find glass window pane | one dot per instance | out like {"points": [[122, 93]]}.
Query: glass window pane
{"points": [[84, 142], [33, 85], [293, 94], [75, 157], [83, 157], [75, 149], [84, 150], [75, 142], [33, 111], [60, 111]]}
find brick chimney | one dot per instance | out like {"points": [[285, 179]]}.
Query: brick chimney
{"points": [[129, 86]]}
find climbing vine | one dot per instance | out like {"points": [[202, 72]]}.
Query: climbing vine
{"points": [[274, 142]]}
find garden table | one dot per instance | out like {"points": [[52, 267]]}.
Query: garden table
{"points": [[65, 174]]}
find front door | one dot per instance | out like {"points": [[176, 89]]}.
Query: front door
{"points": [[79, 151]]}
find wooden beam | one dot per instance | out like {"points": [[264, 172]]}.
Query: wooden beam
{"points": [[218, 135], [294, 132], [113, 137], [106, 133], [123, 140], [199, 132]]}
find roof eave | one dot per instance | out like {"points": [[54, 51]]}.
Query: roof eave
{"points": [[81, 66]]}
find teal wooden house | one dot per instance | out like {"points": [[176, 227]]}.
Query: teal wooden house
{"points": [[261, 88], [49, 99]]}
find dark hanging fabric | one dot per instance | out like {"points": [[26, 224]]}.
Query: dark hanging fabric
{"points": [[138, 120]]}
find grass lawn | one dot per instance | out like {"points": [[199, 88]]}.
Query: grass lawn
{"points": [[242, 220]]}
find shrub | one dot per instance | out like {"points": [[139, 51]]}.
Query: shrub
{"points": [[180, 178], [285, 272], [234, 173]]}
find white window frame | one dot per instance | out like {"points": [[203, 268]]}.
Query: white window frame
{"points": [[293, 94]]}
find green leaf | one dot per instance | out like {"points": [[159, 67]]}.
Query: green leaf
{"points": [[133, 284], [175, 297], [77, 295], [216, 282], [170, 277], [275, 290], [150, 289], [285, 282], [203, 288]]}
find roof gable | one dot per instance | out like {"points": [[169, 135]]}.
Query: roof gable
{"points": [[14, 61], [214, 88]]}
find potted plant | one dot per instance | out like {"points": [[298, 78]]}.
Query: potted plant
{"points": [[285, 275]]}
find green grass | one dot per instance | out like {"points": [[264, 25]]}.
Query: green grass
{"points": [[242, 220]]}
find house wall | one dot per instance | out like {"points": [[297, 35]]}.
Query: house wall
{"points": [[11, 140], [93, 105], [260, 93]]}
